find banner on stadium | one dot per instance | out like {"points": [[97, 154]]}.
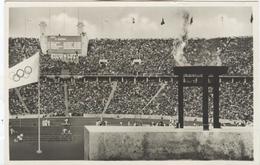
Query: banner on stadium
{"points": [[26, 72], [66, 57]]}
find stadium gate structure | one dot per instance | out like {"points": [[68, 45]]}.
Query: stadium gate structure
{"points": [[206, 71]]}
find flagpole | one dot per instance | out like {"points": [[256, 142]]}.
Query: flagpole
{"points": [[39, 151]]}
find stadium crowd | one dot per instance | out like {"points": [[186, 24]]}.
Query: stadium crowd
{"points": [[236, 53], [130, 97], [52, 98], [22, 100], [120, 55], [155, 55], [87, 97], [90, 97], [236, 100], [21, 49]]}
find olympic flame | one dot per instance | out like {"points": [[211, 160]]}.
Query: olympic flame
{"points": [[178, 46]]}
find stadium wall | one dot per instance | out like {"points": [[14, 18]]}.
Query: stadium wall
{"points": [[166, 143], [121, 116]]}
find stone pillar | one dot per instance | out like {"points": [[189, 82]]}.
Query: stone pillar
{"points": [[205, 103], [216, 102], [180, 101]]}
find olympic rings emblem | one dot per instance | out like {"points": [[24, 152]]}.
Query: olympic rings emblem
{"points": [[22, 73]]}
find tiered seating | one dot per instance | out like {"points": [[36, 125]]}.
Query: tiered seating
{"points": [[131, 98]]}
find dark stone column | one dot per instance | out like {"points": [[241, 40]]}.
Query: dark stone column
{"points": [[180, 101], [216, 102], [205, 103]]}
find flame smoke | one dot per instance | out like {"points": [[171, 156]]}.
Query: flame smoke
{"points": [[186, 18], [178, 46], [216, 61]]}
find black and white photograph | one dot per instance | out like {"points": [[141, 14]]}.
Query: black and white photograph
{"points": [[131, 83]]}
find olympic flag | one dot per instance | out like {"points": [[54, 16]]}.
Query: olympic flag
{"points": [[26, 72]]}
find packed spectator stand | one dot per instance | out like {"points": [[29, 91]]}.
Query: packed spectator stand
{"points": [[21, 49], [90, 96], [156, 56]]}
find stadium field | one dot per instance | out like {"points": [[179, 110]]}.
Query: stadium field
{"points": [[53, 144]]}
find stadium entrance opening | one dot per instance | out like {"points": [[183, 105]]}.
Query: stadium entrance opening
{"points": [[210, 78]]}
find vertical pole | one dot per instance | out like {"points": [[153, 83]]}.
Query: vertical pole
{"points": [[216, 102], [39, 151], [64, 12], [25, 25], [180, 101], [50, 21], [205, 103]]}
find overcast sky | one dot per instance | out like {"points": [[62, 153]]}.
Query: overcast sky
{"points": [[116, 22]]}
